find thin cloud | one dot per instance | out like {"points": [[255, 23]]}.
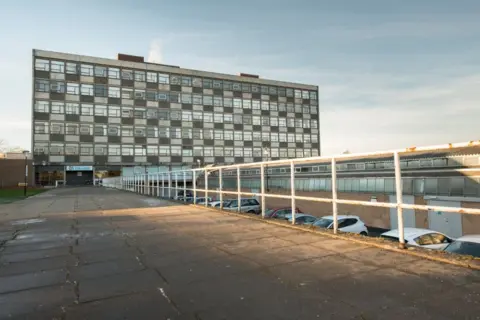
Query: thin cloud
{"points": [[155, 54]]}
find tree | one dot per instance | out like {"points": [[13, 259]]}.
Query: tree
{"points": [[4, 147]]}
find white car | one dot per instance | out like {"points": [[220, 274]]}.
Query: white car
{"points": [[418, 237], [250, 205], [347, 223], [468, 245]]}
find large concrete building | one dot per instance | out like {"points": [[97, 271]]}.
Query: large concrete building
{"points": [[101, 115]]}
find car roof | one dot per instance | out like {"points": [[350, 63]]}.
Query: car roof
{"points": [[410, 233], [470, 238], [340, 217]]}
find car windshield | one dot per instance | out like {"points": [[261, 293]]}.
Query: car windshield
{"points": [[464, 247], [269, 211], [323, 223]]}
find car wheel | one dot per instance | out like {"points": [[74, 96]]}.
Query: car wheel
{"points": [[251, 211], [363, 233]]}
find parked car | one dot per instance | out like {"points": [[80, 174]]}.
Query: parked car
{"points": [[216, 204], [346, 223], [280, 213], [201, 200], [418, 237], [301, 218], [180, 195], [467, 245], [249, 205]]}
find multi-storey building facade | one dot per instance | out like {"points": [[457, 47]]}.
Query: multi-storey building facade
{"points": [[103, 114]]}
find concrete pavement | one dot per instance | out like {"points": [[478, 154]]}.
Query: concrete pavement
{"points": [[93, 253]]}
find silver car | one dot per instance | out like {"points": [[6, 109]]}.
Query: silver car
{"points": [[250, 205]]}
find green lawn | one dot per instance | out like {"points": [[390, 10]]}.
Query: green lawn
{"points": [[14, 194]]}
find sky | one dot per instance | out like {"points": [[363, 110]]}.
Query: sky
{"points": [[391, 73]]}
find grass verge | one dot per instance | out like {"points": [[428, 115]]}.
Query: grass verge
{"points": [[8, 195]]}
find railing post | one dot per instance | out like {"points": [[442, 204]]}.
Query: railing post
{"points": [[292, 191], [184, 187], [206, 187], [163, 185], [176, 186], [399, 192], [220, 186], [334, 196], [239, 190], [147, 184], [262, 187], [135, 183], [158, 185], [169, 184], [194, 182]]}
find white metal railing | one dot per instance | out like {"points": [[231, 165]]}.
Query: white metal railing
{"points": [[160, 183]]}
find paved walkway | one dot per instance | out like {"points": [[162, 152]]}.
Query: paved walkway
{"points": [[92, 253]]}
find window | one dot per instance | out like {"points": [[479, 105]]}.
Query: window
{"points": [[140, 150], [127, 93], [227, 85], [100, 130], [113, 150], [42, 85], [56, 128], [247, 136], [314, 124], [57, 107], [163, 78], [57, 66], [86, 149], [218, 134], [207, 117], [305, 109], [139, 76], [291, 137], [228, 151], [163, 96], [298, 94], [227, 118], [41, 127], [238, 119], [127, 150], [218, 118], [139, 94], [164, 132], [86, 129], [228, 135], [152, 114], [163, 115], [298, 137], [273, 137], [424, 240], [247, 152], [101, 110], [255, 105], [56, 148], [238, 152], [86, 89], [86, 70], [289, 92], [265, 121], [237, 103], [228, 102], [306, 123], [282, 137], [114, 92], [42, 106], [71, 149], [164, 150], [217, 84], [176, 150], [186, 98], [291, 122], [313, 95], [42, 65], [114, 111], [208, 151], [282, 107], [114, 130], [245, 87], [247, 104], [256, 120], [72, 68], [272, 90], [207, 83], [127, 74], [151, 95], [274, 122], [175, 133], [186, 115], [197, 116], [187, 152], [257, 152], [174, 79], [282, 122], [198, 151], [290, 108], [127, 131], [299, 153], [197, 134], [197, 82], [186, 81], [208, 134], [314, 138], [265, 105], [186, 133], [174, 97], [87, 109], [247, 119], [298, 108], [218, 101], [101, 90], [152, 77], [139, 113], [208, 100], [175, 115], [306, 138], [238, 135], [197, 99], [73, 88], [298, 123], [266, 136], [57, 86], [100, 71], [114, 73], [218, 151]]}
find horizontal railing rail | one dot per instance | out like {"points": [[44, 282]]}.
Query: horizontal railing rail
{"points": [[162, 184]]}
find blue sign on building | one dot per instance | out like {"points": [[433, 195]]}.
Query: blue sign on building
{"points": [[79, 168]]}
